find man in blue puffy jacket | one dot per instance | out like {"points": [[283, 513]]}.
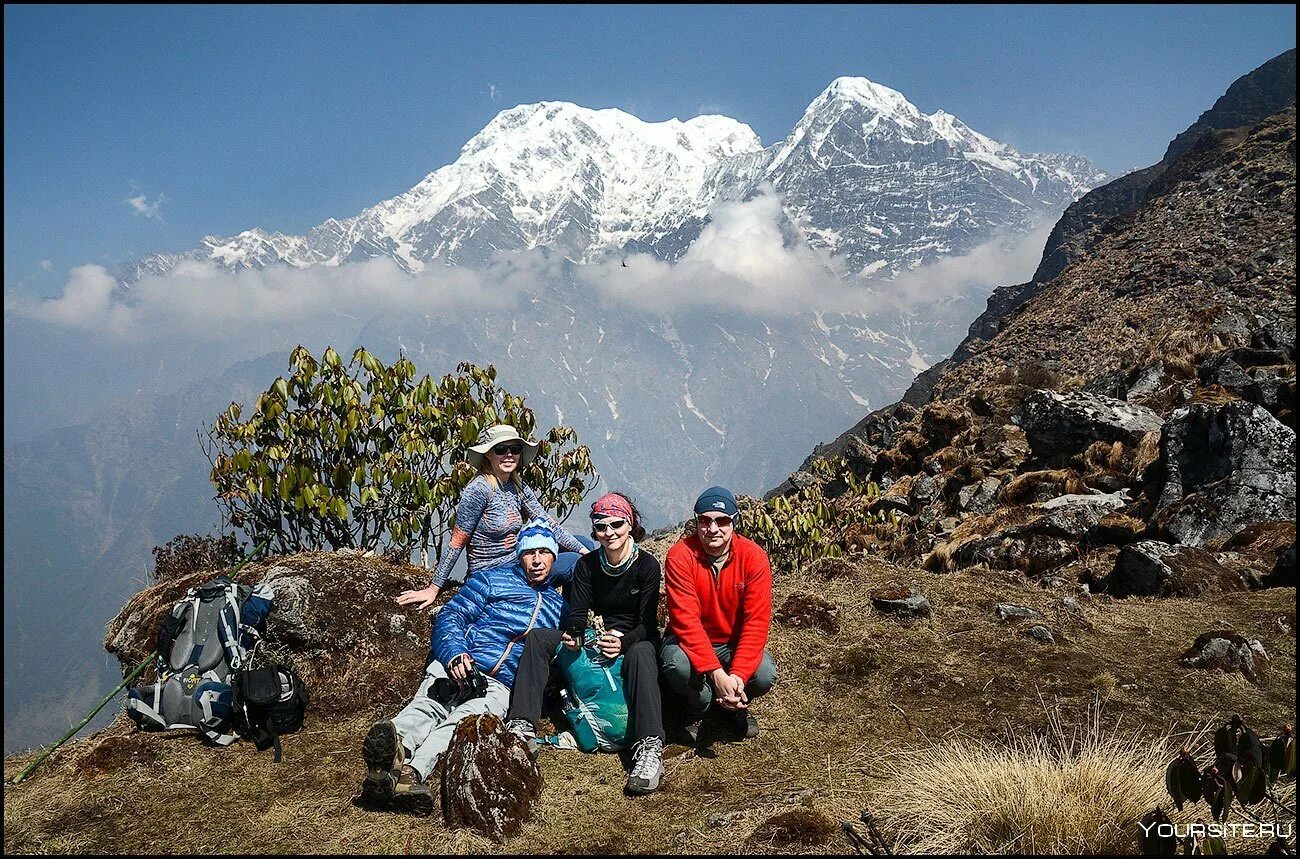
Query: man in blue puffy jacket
{"points": [[479, 633]]}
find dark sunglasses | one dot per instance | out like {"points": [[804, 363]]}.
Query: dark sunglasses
{"points": [[611, 525], [503, 449], [720, 521]]}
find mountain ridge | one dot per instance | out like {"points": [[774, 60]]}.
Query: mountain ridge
{"points": [[558, 175]]}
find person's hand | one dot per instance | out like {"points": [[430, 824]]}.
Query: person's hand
{"points": [[729, 690], [424, 597], [569, 641], [460, 667], [610, 645]]}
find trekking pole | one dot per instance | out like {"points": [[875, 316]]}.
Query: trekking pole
{"points": [[130, 677]]}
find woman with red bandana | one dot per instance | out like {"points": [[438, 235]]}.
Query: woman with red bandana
{"points": [[620, 583]]}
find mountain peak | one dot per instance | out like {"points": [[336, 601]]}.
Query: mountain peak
{"points": [[862, 91]]}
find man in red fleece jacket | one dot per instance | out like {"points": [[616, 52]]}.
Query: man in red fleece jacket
{"points": [[719, 589]]}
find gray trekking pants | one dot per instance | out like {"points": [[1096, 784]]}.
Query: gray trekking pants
{"points": [[426, 726], [694, 689]]}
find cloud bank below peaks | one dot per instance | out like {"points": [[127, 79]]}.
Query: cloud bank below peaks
{"points": [[745, 260]]}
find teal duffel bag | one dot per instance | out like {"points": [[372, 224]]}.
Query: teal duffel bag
{"points": [[593, 699]]}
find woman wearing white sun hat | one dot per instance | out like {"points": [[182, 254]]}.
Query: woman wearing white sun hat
{"points": [[492, 509]]}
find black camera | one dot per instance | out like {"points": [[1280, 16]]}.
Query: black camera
{"points": [[452, 693]]}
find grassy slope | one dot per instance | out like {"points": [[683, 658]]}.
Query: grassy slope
{"points": [[137, 793]]}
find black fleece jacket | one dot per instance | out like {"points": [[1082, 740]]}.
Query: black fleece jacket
{"points": [[628, 603]]}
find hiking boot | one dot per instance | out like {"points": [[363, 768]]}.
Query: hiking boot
{"points": [[398, 791], [647, 766], [382, 749], [524, 730], [684, 733], [744, 724]]}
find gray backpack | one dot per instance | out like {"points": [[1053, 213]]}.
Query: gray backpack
{"points": [[207, 636]]}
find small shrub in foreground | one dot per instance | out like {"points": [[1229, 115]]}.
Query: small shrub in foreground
{"points": [[1058, 792]]}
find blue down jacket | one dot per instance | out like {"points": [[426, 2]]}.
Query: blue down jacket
{"points": [[491, 614]]}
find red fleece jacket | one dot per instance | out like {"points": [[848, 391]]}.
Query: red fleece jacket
{"points": [[736, 610]]}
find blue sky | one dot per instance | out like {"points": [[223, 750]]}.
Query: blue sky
{"points": [[132, 129]]}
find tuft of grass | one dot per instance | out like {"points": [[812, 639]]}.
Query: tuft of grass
{"points": [[1072, 792]]}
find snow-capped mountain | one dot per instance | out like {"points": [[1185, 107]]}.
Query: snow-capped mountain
{"points": [[864, 174]]}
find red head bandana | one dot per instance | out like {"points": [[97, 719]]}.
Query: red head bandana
{"points": [[611, 506]]}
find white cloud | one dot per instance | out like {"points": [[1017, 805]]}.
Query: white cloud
{"points": [[207, 302], [742, 262], [47, 265], [493, 94], [142, 206], [87, 302]]}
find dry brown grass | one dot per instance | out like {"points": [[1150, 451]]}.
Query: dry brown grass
{"points": [[1022, 487], [1059, 791]]}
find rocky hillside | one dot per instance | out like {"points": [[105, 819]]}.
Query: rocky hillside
{"points": [[1128, 422], [860, 686]]}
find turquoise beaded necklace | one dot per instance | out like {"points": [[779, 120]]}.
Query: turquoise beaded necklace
{"points": [[616, 571]]}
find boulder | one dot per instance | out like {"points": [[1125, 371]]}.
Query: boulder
{"points": [[1150, 568], [981, 497], [1223, 468], [1041, 539], [490, 783], [1151, 379], [1059, 425], [1228, 651], [334, 619], [1283, 575], [900, 601], [1261, 376]]}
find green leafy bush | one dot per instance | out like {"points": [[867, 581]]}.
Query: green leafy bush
{"points": [[362, 455], [798, 529]]}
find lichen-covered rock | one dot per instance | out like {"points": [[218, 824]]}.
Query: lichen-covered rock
{"points": [[1223, 468], [981, 497], [1229, 651], [1149, 568], [490, 783], [806, 611], [1059, 425]]}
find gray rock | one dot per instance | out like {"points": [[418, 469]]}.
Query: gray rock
{"points": [[1007, 611], [1228, 651], [1224, 468], [1103, 502], [900, 602], [1283, 575], [1151, 379], [981, 497], [1150, 568], [1059, 425], [1041, 633]]}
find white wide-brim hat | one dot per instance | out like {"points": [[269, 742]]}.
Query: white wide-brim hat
{"points": [[493, 436]]}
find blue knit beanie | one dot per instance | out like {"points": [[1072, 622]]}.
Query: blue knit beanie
{"points": [[717, 499], [537, 534]]}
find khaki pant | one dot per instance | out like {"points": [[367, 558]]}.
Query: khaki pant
{"points": [[426, 725]]}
